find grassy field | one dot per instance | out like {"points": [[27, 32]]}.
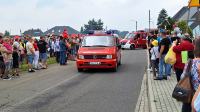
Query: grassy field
{"points": [[24, 66]]}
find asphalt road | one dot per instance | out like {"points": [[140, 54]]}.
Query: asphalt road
{"points": [[62, 89]]}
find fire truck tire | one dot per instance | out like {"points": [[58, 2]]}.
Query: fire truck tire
{"points": [[115, 69], [132, 47], [120, 62], [80, 70]]}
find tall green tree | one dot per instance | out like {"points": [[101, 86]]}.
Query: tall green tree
{"points": [[7, 33], [93, 25], [185, 28], [169, 23], [162, 17]]}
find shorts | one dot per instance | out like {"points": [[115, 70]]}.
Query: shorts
{"points": [[43, 56], [8, 65], [30, 59], [15, 64]]}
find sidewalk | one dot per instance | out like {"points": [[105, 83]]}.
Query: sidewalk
{"points": [[156, 96]]}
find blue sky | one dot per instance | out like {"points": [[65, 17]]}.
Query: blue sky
{"points": [[116, 14]]}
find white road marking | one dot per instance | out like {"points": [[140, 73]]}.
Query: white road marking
{"points": [[41, 92]]}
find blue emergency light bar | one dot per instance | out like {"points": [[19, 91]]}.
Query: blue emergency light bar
{"points": [[91, 32]]}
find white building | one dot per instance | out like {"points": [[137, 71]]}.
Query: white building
{"points": [[194, 18]]}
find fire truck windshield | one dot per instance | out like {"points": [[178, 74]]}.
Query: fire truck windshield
{"points": [[130, 35], [98, 41]]}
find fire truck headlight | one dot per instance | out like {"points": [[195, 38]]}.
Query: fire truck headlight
{"points": [[109, 57], [81, 57]]}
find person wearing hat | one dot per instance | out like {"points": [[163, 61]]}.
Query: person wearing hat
{"points": [[154, 57]]}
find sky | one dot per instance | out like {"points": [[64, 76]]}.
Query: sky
{"points": [[116, 14]]}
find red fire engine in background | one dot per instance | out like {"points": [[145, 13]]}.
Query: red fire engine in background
{"points": [[134, 40]]}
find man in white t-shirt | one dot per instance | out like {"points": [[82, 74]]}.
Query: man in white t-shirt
{"points": [[30, 53]]}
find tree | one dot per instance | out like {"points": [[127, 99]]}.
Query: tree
{"points": [[7, 33], [93, 25], [170, 23], [82, 30], [162, 23], [185, 28]]}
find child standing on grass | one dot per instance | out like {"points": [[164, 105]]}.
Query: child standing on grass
{"points": [[15, 56]]}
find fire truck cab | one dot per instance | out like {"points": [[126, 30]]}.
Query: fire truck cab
{"points": [[99, 51], [134, 40]]}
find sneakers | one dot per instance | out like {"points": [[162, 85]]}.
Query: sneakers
{"points": [[165, 77], [150, 69], [158, 78], [31, 70], [7, 78], [15, 76]]}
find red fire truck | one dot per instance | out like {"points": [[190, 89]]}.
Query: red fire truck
{"points": [[134, 40]]}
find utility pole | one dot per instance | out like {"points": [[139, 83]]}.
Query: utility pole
{"points": [[188, 18], [136, 26], [149, 20]]}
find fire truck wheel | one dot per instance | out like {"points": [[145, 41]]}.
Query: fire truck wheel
{"points": [[120, 62], [80, 70], [115, 69], [132, 47]]}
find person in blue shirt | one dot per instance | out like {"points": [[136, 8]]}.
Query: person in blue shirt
{"points": [[63, 51]]}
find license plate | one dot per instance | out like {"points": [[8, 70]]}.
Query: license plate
{"points": [[95, 63]]}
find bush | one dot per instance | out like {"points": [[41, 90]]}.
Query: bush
{"points": [[185, 28]]}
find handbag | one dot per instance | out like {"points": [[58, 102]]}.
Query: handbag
{"points": [[184, 91]]}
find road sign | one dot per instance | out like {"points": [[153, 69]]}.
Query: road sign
{"points": [[194, 3]]}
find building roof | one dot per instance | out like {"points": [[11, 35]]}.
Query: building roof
{"points": [[180, 13], [33, 32], [58, 30], [193, 17]]}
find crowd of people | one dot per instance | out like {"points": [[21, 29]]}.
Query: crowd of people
{"points": [[16, 51], [160, 44]]}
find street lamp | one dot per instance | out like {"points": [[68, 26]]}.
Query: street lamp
{"points": [[136, 24]]}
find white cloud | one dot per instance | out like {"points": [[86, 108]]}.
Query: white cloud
{"points": [[25, 14]]}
